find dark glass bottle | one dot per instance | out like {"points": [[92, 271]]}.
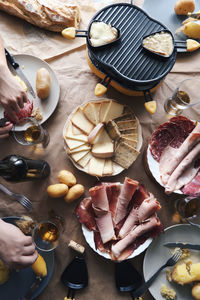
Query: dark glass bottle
{"points": [[16, 168]]}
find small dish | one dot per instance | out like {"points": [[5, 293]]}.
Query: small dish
{"points": [[159, 33]]}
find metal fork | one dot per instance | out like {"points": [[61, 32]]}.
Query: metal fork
{"points": [[170, 262], [25, 202]]}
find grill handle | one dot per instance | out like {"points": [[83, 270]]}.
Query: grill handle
{"points": [[101, 88], [149, 104]]}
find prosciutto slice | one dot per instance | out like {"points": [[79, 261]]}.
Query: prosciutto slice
{"points": [[138, 215], [171, 157], [102, 214], [85, 214], [139, 230], [193, 187], [185, 167], [128, 189]]}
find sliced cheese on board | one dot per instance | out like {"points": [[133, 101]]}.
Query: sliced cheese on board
{"points": [[95, 133], [103, 109], [114, 110], [90, 113], [81, 148], [108, 167], [129, 124], [81, 122], [78, 137], [76, 131], [77, 156], [96, 166], [72, 144], [97, 106], [104, 147], [130, 142], [85, 160]]}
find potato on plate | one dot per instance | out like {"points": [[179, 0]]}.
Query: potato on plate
{"points": [[43, 83]]}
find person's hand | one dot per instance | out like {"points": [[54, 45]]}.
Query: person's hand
{"points": [[16, 249], [12, 95], [4, 131]]}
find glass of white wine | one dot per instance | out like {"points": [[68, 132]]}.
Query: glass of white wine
{"points": [[32, 134], [186, 95], [46, 235], [189, 209]]}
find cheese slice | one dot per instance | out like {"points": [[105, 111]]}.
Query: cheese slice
{"points": [[128, 124], [104, 147], [108, 167], [114, 111], [81, 148], [96, 166], [81, 122], [130, 142], [72, 144], [85, 160], [90, 113], [76, 131], [125, 155], [103, 110], [78, 137], [77, 156], [97, 106]]}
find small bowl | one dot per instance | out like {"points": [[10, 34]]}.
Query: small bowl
{"points": [[155, 53]]}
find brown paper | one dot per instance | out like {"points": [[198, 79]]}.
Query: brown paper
{"points": [[77, 84]]}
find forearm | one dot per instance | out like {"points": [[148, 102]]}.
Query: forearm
{"points": [[3, 62]]}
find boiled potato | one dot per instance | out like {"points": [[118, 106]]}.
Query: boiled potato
{"points": [[4, 273], [196, 291], [74, 193], [39, 267], [43, 83], [66, 177], [57, 190], [192, 29], [183, 7]]}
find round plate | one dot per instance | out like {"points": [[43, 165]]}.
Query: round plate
{"points": [[116, 168], [30, 65], [154, 169], [20, 282], [90, 240], [157, 255]]}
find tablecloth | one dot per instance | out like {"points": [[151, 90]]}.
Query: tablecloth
{"points": [[77, 82]]}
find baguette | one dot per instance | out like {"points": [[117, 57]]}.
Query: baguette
{"points": [[51, 15]]}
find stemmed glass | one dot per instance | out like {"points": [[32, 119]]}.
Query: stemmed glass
{"points": [[189, 209], [186, 95], [32, 134]]}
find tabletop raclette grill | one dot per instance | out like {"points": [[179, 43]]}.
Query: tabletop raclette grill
{"points": [[126, 65]]}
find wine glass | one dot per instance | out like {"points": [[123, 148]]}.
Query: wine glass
{"points": [[32, 134], [189, 209], [46, 235], [186, 95]]}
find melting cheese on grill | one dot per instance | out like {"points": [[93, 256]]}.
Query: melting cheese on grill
{"points": [[102, 34]]}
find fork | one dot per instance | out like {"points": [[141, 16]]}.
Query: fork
{"points": [[25, 202], [170, 262]]}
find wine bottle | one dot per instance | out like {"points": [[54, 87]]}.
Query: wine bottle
{"points": [[16, 168]]}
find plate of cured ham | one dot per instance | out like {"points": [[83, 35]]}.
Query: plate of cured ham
{"points": [[118, 220], [173, 156]]}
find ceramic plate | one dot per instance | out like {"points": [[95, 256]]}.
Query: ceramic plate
{"points": [[154, 169], [157, 255], [116, 168], [30, 64], [19, 282], [163, 11]]}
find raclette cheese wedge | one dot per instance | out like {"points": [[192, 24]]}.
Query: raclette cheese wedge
{"points": [[108, 167], [81, 148], [90, 113], [104, 147], [85, 160], [96, 166], [79, 155], [114, 110], [72, 144], [76, 131], [103, 110], [81, 122], [78, 137]]}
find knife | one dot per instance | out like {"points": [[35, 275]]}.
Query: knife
{"points": [[183, 245], [33, 288], [19, 72]]}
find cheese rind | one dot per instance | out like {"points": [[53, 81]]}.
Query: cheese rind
{"points": [[81, 122], [96, 131], [96, 166]]}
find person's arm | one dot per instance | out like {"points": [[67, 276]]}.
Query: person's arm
{"points": [[16, 249], [12, 95]]}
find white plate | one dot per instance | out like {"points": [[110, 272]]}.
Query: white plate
{"points": [[30, 65], [89, 236], [154, 169], [157, 255], [116, 168]]}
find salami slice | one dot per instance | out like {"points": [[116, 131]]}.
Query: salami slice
{"points": [[25, 112], [173, 132]]}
